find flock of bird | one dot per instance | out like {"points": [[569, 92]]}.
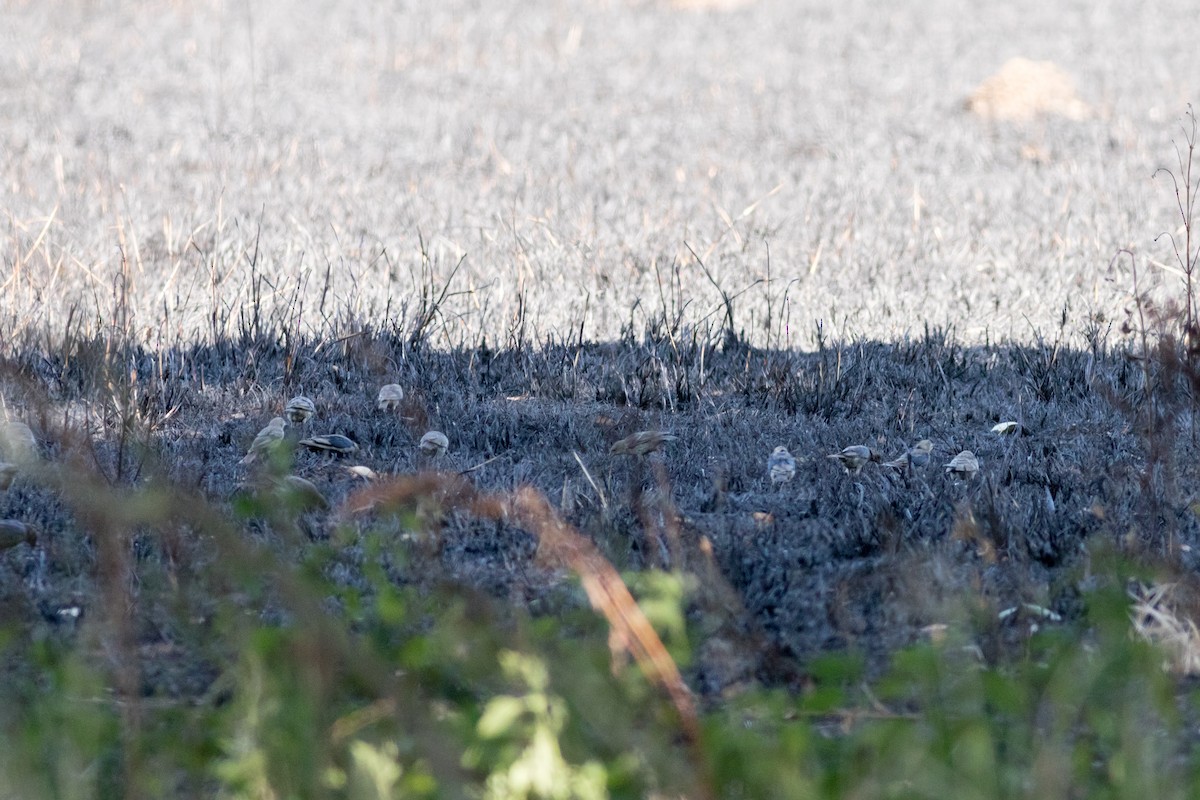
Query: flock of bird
{"points": [[300, 408], [298, 411], [781, 465], [19, 446]]}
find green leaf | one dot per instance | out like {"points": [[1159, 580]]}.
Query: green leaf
{"points": [[500, 716]]}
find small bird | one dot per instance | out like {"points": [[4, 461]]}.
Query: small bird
{"points": [[362, 471], [1006, 428], [853, 458], [641, 443], [7, 473], [781, 466], [301, 493], [330, 443], [17, 442], [391, 395], [915, 457], [13, 532], [266, 439], [299, 409], [66, 614], [434, 443], [963, 466]]}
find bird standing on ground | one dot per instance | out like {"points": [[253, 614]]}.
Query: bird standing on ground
{"points": [[299, 409], [963, 466], [434, 443], [853, 458], [390, 397], [641, 443], [362, 471], [266, 439], [330, 443], [17, 442], [301, 493], [915, 457], [781, 466]]}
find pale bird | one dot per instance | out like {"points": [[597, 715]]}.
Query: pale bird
{"points": [[434, 443], [390, 397], [17, 442], [13, 532], [362, 471], [853, 458], [266, 439], [1006, 428], [781, 466], [330, 443], [641, 443], [299, 409], [963, 466], [915, 457]]}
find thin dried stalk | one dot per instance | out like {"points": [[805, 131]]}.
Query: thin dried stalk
{"points": [[560, 544]]}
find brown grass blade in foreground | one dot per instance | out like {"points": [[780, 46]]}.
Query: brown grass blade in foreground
{"points": [[561, 543], [609, 595], [446, 490]]}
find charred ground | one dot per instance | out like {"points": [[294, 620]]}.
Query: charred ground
{"points": [[780, 575]]}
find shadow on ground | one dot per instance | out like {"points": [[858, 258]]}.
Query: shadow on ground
{"points": [[828, 562]]}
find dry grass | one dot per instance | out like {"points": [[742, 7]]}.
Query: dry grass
{"points": [[1158, 619], [305, 165]]}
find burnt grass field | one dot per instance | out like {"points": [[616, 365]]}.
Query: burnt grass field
{"points": [[829, 562]]}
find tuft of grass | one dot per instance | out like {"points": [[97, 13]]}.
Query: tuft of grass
{"points": [[1158, 620]]}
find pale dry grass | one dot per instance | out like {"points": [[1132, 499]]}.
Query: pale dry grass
{"points": [[299, 165], [710, 5], [1158, 620]]}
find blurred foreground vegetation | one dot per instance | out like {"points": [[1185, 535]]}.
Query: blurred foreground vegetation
{"points": [[282, 681]]}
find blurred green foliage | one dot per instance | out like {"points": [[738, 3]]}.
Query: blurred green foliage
{"points": [[333, 662], [394, 689]]}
